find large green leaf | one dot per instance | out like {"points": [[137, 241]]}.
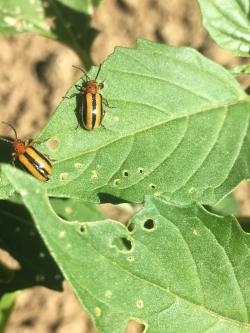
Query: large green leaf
{"points": [[168, 131], [177, 127], [228, 23], [58, 20], [178, 270]]}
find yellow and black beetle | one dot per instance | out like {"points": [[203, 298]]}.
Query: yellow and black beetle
{"points": [[90, 106], [30, 158]]}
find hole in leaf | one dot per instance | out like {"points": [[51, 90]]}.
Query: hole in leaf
{"points": [[135, 327], [82, 228], [131, 227], [53, 144], [152, 186], [125, 173], [141, 170], [127, 243], [130, 258], [122, 243], [149, 224]]}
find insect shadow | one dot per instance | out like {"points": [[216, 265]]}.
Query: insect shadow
{"points": [[6, 151]]}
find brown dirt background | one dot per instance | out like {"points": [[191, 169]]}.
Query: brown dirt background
{"points": [[35, 74]]}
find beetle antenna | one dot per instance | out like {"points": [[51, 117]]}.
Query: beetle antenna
{"points": [[11, 127], [82, 70], [98, 72]]}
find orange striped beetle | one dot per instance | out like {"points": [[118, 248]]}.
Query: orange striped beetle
{"points": [[90, 105], [30, 158]]}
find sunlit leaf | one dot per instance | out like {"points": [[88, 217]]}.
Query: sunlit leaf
{"points": [[228, 23], [176, 270], [177, 127], [55, 19]]}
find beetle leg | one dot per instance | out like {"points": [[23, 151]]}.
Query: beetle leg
{"points": [[101, 84], [105, 102], [71, 96], [49, 158], [38, 142], [81, 92], [13, 159], [79, 87], [27, 143]]}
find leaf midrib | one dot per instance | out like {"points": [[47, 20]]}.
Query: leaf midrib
{"points": [[141, 130]]}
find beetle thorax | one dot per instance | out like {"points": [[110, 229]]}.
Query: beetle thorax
{"points": [[19, 147], [92, 87]]}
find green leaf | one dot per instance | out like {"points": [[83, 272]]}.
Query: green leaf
{"points": [[7, 303], [181, 269], [6, 190], [51, 19], [72, 210], [228, 206], [86, 6], [19, 238], [228, 23], [168, 131], [23, 17], [244, 69]]}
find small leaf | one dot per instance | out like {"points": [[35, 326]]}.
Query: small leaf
{"points": [[51, 19], [186, 270], [7, 303], [228, 23], [244, 69]]}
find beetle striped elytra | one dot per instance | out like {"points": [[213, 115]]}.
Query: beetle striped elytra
{"points": [[30, 158], [90, 108]]}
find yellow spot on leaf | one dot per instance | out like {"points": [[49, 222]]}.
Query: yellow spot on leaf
{"points": [[108, 293], [140, 304], [94, 174], [97, 312], [68, 210], [64, 176]]}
